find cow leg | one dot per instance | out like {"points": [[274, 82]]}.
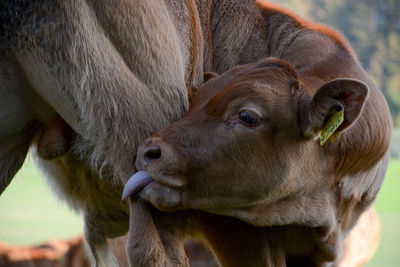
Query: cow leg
{"points": [[96, 243], [200, 254], [172, 229], [153, 240], [105, 93], [118, 247]]}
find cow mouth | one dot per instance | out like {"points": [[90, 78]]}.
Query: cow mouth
{"points": [[136, 183]]}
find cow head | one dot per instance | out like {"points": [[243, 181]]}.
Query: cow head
{"points": [[248, 147]]}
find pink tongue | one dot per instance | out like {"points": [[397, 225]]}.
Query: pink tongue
{"points": [[136, 183]]}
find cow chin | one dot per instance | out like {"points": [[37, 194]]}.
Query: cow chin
{"points": [[162, 197]]}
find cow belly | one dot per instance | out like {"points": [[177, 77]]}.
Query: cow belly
{"points": [[19, 104], [14, 115]]}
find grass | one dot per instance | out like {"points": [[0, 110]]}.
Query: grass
{"points": [[389, 197], [30, 214], [388, 206]]}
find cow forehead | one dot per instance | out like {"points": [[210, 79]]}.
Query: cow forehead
{"points": [[268, 88], [265, 90]]}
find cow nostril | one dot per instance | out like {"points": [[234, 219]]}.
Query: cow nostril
{"points": [[152, 153]]}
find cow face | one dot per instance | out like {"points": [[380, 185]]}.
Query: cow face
{"points": [[248, 142]]}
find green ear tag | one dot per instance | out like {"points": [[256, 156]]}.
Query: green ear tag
{"points": [[333, 123]]}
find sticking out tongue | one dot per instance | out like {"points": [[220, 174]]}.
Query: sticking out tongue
{"points": [[137, 182]]}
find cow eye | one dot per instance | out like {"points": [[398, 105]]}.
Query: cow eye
{"points": [[249, 118]]}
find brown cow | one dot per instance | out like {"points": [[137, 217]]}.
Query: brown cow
{"points": [[249, 149], [116, 73]]}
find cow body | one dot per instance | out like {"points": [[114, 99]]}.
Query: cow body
{"points": [[248, 149], [118, 73], [92, 63]]}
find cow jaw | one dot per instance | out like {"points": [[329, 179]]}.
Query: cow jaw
{"points": [[136, 183], [161, 195]]}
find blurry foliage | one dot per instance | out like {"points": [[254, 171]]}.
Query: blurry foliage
{"points": [[373, 29]]}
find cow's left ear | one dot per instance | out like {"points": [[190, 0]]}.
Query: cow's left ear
{"points": [[348, 95]]}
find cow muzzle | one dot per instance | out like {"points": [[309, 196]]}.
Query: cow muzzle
{"points": [[160, 179]]}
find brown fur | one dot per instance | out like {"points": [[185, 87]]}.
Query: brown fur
{"points": [[293, 208], [115, 79], [116, 73], [56, 253]]}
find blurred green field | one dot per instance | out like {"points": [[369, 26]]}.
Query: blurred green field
{"points": [[30, 214], [388, 206]]}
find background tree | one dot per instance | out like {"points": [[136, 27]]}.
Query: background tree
{"points": [[373, 29]]}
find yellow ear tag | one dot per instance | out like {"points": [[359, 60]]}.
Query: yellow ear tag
{"points": [[333, 123]]}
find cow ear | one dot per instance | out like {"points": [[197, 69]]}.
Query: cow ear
{"points": [[337, 103]]}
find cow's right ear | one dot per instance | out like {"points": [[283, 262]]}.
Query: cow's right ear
{"points": [[340, 95]]}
